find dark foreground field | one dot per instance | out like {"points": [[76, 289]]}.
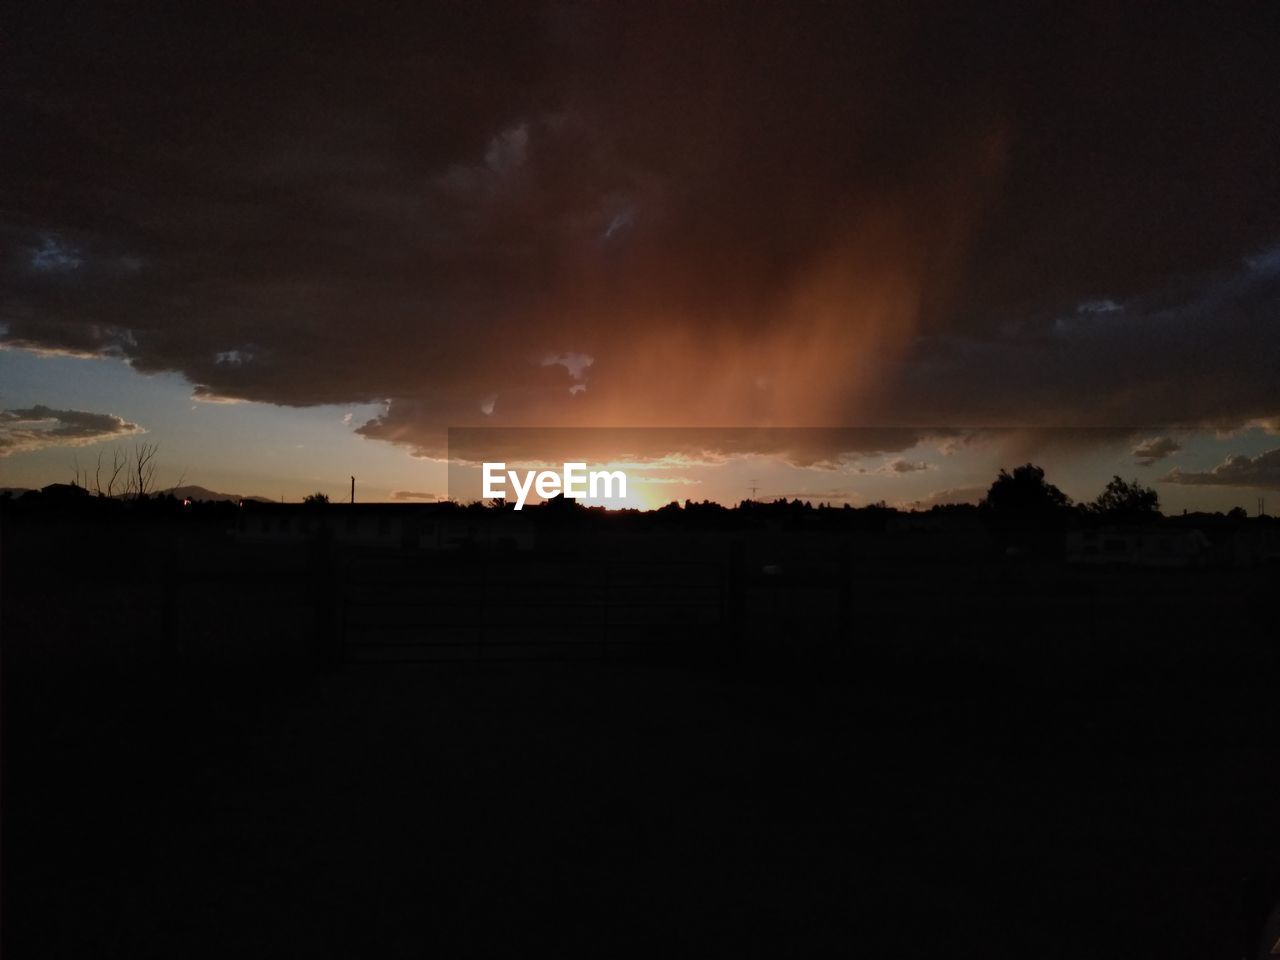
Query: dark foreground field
{"points": [[1034, 763]]}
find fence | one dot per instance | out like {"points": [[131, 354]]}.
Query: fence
{"points": [[493, 608]]}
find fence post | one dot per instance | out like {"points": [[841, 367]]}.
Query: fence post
{"points": [[605, 648], [326, 636], [846, 597], [484, 605], [735, 599], [172, 645]]}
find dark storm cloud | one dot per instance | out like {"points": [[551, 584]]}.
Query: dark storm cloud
{"points": [[414, 496], [1202, 351], [898, 466], [750, 214], [35, 428], [824, 448], [1238, 470]]}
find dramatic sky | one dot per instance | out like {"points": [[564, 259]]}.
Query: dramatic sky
{"points": [[295, 242]]}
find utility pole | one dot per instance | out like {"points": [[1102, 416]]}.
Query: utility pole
{"points": [[353, 489], [753, 489]]}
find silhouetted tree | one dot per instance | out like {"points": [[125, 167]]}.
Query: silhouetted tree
{"points": [[316, 499], [119, 464], [140, 478], [561, 505], [1027, 511], [119, 461], [1025, 492], [1126, 500], [1237, 513]]}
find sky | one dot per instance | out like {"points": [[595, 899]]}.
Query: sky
{"points": [[291, 244]]}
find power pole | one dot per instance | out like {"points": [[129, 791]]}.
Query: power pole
{"points": [[753, 489], [353, 489]]}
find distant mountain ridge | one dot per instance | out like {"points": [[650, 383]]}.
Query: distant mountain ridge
{"points": [[186, 492], [194, 492]]}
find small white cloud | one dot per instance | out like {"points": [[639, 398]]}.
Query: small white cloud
{"points": [[1086, 311], [1266, 262], [232, 358], [54, 256], [487, 404], [1099, 306], [618, 223], [575, 363], [507, 150], [205, 395]]}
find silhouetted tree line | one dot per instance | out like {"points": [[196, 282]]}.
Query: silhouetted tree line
{"points": [[1026, 493], [1021, 506]]}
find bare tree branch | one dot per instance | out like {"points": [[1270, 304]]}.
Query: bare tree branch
{"points": [[145, 468], [119, 461]]}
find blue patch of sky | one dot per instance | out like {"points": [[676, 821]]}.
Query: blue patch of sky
{"points": [[246, 448]]}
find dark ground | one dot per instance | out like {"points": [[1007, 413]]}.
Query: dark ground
{"points": [[1028, 762]]}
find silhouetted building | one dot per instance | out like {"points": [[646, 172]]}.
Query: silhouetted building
{"points": [[1145, 546], [63, 492]]}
